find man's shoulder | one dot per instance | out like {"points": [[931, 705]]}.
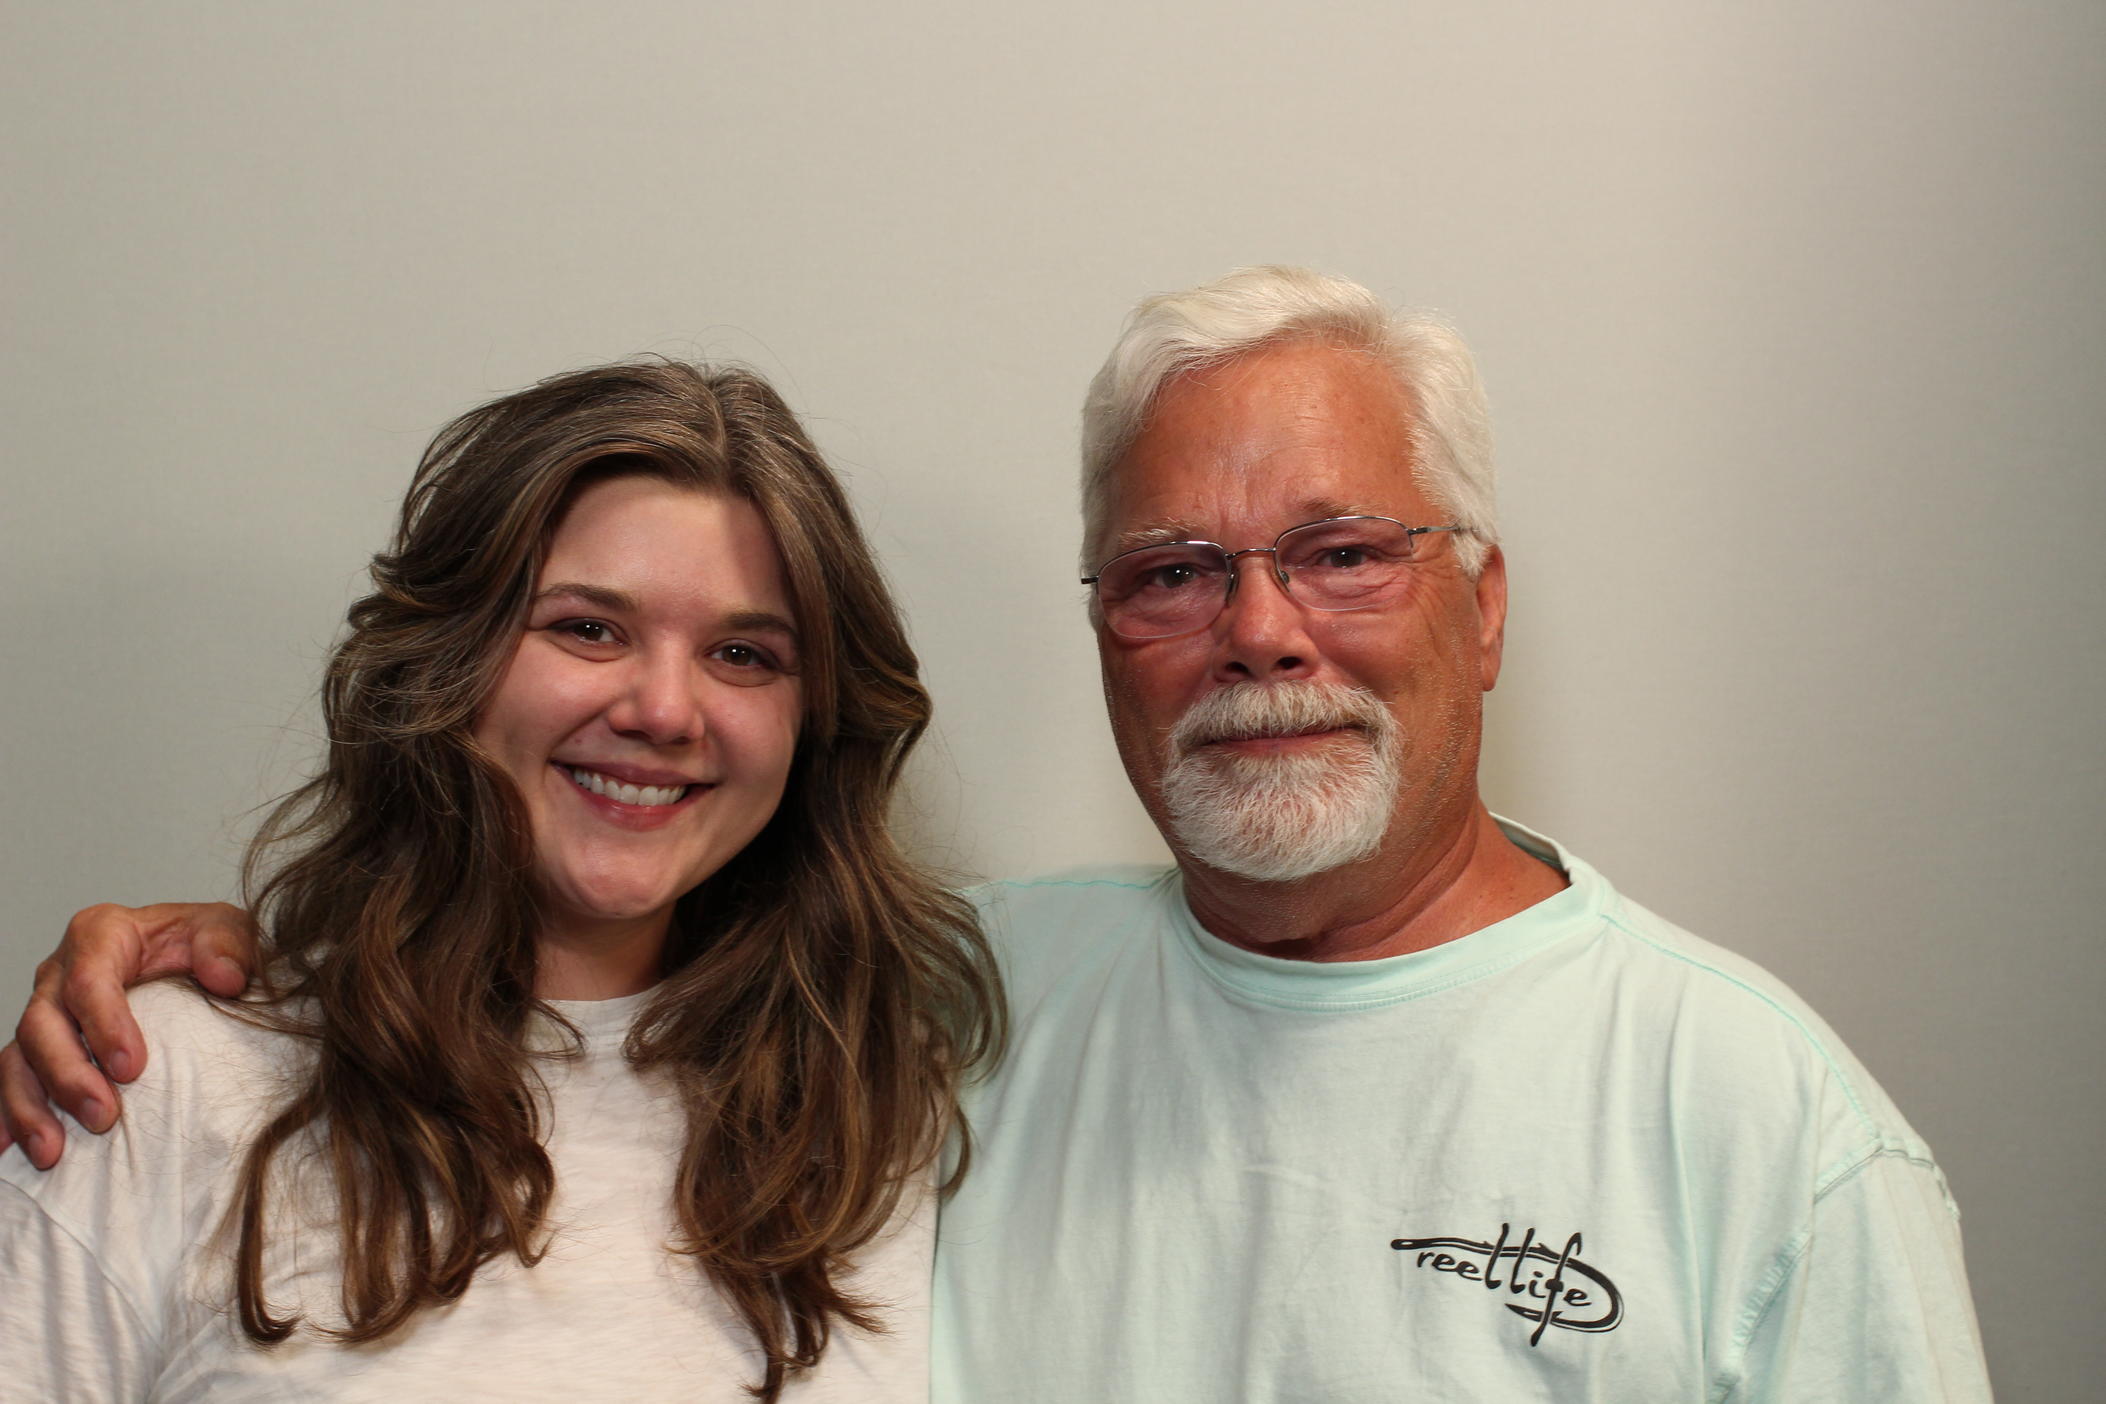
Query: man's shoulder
{"points": [[1116, 884], [1705, 969], [1663, 971], [1055, 920], [1741, 1033], [1709, 978]]}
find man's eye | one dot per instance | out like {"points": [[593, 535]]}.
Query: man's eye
{"points": [[1340, 556], [1169, 577]]}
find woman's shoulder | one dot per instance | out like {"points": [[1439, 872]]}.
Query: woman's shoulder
{"points": [[188, 1031], [212, 1070], [141, 1196]]}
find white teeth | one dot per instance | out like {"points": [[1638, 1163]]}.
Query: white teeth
{"points": [[626, 794]]}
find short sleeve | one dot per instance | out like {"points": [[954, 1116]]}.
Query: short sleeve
{"points": [[96, 1253], [70, 1333], [1875, 1305]]}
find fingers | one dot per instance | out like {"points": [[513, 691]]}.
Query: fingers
{"points": [[108, 948], [84, 984], [24, 1113], [78, 1008], [57, 1068], [222, 948]]}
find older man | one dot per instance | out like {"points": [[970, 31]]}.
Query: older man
{"points": [[1375, 1096]]}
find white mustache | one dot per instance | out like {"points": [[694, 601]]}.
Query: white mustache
{"points": [[1246, 711]]}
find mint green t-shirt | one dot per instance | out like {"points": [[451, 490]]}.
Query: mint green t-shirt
{"points": [[1580, 1155]]}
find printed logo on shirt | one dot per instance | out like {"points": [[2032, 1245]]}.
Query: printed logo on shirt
{"points": [[1571, 1295]]}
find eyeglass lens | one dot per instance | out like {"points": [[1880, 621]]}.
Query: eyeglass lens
{"points": [[1344, 564]]}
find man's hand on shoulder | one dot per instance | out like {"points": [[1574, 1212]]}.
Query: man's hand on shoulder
{"points": [[78, 1018]]}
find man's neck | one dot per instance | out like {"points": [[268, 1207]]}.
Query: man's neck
{"points": [[1438, 888]]}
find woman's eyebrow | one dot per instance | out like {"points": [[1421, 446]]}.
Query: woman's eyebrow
{"points": [[598, 596], [743, 621], [755, 621]]}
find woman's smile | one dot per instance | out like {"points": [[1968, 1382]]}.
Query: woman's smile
{"points": [[629, 805]]}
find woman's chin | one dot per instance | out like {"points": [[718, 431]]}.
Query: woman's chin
{"points": [[605, 909]]}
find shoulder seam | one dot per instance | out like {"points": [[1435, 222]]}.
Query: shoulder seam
{"points": [[1886, 1148], [1788, 1260], [1733, 1374], [124, 1291], [1843, 1080]]}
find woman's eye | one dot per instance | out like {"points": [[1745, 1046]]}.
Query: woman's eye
{"points": [[586, 631], [742, 655]]}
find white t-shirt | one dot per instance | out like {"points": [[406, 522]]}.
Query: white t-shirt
{"points": [[1209, 1175], [113, 1287]]}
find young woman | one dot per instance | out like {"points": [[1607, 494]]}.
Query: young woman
{"points": [[607, 1040]]}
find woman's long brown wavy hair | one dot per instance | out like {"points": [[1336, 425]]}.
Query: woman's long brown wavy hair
{"points": [[823, 996]]}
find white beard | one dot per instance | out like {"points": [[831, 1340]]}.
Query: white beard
{"points": [[1276, 818]]}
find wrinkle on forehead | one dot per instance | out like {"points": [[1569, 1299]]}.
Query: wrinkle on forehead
{"points": [[1173, 529]]}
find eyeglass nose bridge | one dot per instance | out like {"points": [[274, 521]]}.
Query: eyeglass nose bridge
{"points": [[1235, 576]]}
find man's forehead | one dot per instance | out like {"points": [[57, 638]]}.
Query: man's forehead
{"points": [[1239, 505], [1201, 526], [1280, 436]]}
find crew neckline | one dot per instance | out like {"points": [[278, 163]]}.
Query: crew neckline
{"points": [[603, 1022], [1367, 984]]}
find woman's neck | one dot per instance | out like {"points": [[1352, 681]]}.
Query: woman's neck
{"points": [[600, 960]]}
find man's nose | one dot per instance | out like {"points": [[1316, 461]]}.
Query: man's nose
{"points": [[1262, 634]]}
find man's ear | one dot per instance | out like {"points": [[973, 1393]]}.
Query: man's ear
{"points": [[1491, 617]]}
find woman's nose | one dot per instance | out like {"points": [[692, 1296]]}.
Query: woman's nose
{"points": [[661, 702]]}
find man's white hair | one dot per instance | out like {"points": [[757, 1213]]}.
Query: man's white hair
{"points": [[1172, 333]]}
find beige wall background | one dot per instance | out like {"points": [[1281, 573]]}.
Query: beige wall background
{"points": [[1794, 316]]}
